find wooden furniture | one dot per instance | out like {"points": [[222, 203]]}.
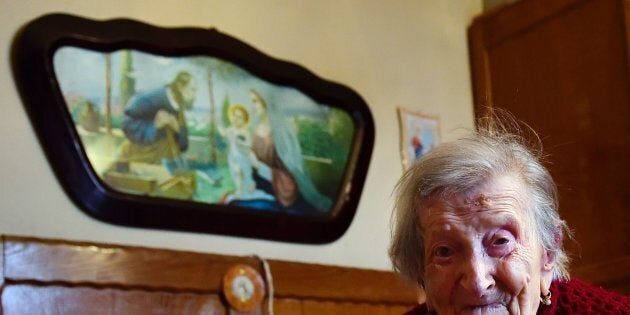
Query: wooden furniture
{"points": [[61, 277], [563, 67]]}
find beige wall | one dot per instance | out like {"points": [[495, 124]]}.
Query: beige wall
{"points": [[393, 53]]}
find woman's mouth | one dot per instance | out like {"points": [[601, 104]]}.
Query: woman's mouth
{"points": [[481, 309]]}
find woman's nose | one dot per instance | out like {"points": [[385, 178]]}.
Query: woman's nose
{"points": [[477, 275]]}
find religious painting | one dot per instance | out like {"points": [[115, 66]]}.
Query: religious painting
{"points": [[204, 133], [203, 129], [418, 134]]}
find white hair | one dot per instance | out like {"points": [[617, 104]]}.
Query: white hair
{"points": [[495, 149]]}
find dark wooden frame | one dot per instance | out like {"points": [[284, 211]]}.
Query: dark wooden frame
{"points": [[33, 71]]}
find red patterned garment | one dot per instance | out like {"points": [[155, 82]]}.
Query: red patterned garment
{"points": [[578, 297], [572, 297]]}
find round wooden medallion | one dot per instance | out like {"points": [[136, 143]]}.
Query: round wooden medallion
{"points": [[243, 288]]}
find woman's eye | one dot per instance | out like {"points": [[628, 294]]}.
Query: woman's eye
{"points": [[500, 241], [501, 245], [443, 252]]}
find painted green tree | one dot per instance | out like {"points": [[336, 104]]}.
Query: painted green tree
{"points": [[325, 147]]}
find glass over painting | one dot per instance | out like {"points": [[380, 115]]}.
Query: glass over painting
{"points": [[224, 137]]}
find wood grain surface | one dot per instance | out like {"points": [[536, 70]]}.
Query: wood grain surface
{"points": [[67, 276]]}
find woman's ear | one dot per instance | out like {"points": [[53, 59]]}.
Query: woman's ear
{"points": [[549, 260], [549, 255], [546, 272]]}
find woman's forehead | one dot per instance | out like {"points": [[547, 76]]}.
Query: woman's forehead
{"points": [[444, 219], [503, 195]]}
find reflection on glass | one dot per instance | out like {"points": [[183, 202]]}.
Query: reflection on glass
{"points": [[203, 129]]}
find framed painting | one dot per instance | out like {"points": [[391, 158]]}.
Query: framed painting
{"points": [[418, 134], [191, 129]]}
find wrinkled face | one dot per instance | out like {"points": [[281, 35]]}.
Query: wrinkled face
{"points": [[481, 256]]}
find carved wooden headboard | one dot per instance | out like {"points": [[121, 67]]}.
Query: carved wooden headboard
{"points": [[41, 276]]}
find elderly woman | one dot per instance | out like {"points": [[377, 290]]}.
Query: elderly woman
{"points": [[476, 226]]}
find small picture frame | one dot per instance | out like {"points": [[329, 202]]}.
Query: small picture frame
{"points": [[418, 134]]}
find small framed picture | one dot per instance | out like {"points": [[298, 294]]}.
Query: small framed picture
{"points": [[418, 134]]}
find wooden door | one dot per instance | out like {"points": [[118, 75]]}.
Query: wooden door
{"points": [[562, 67]]}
